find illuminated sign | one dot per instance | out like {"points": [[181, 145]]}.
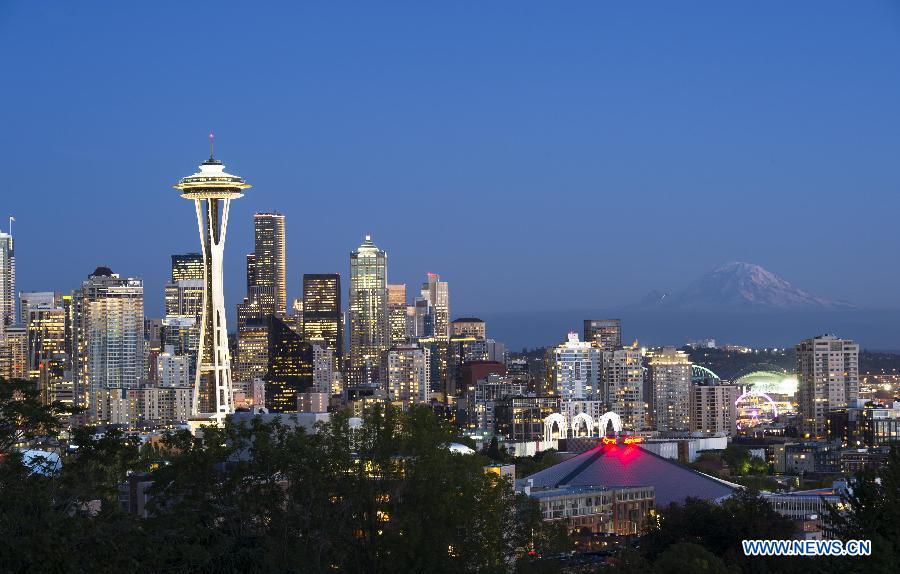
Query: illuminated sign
{"points": [[633, 439], [609, 440]]}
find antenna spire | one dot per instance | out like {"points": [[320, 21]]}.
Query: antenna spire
{"points": [[11, 219], [212, 138]]}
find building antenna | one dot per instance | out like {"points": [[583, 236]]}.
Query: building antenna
{"points": [[11, 219], [212, 138]]}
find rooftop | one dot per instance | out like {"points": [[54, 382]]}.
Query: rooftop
{"points": [[618, 465]]}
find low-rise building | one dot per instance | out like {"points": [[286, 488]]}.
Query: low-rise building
{"points": [[866, 425], [601, 510]]}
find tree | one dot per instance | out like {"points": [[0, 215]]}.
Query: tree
{"points": [[688, 558], [720, 528], [870, 510], [388, 496], [493, 451], [23, 417]]}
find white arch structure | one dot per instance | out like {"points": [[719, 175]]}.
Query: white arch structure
{"points": [[580, 421], [605, 420], [586, 420], [561, 424]]}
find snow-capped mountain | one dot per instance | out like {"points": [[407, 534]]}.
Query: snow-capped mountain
{"points": [[740, 285]]}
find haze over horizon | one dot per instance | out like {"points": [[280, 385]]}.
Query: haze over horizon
{"points": [[560, 165]]}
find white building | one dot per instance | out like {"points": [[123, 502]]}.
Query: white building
{"points": [[577, 370], [405, 375], [173, 370], [323, 371]]}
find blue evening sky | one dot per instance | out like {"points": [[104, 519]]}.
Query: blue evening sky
{"points": [[538, 155]]}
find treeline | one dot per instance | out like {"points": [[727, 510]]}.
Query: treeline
{"points": [[386, 497]]}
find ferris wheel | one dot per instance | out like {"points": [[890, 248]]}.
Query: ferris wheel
{"points": [[754, 408]]}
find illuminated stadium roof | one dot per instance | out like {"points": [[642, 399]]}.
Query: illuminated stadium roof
{"points": [[611, 465], [771, 382]]}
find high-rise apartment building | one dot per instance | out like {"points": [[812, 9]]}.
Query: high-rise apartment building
{"points": [[322, 315], [605, 334], [437, 293], [173, 370], [291, 368], [405, 375], [14, 352], [7, 279], [622, 378], [111, 317], [670, 388], [369, 329], [323, 367], [397, 313], [576, 370], [828, 376], [713, 410]]}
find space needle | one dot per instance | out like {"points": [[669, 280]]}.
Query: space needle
{"points": [[212, 189]]}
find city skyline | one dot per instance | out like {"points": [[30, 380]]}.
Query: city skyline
{"points": [[519, 286], [711, 149]]}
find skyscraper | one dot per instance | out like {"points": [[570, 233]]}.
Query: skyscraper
{"points": [[437, 293], [252, 361], [111, 317], [47, 359], [212, 190], [670, 388], [322, 312], [828, 376], [623, 381], [7, 279], [291, 367], [46, 336], [397, 313], [605, 334], [369, 329], [187, 266], [269, 270], [577, 370]]}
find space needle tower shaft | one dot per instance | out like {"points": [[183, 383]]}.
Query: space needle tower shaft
{"points": [[212, 189]]}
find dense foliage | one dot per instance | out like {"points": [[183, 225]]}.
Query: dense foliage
{"points": [[872, 513], [386, 497]]}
